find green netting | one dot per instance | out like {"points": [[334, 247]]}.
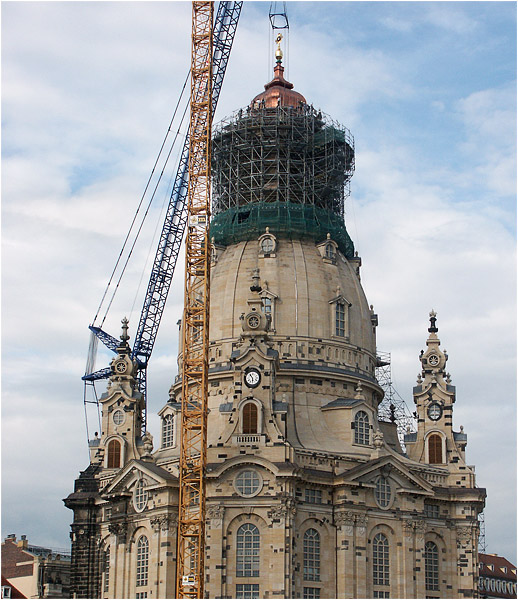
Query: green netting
{"points": [[285, 220]]}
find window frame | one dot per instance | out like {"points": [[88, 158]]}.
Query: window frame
{"points": [[431, 566], [142, 562], [383, 493], [168, 433], [311, 547], [362, 428], [380, 561], [248, 550], [248, 482], [436, 452], [111, 454]]}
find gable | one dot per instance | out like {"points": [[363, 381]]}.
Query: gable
{"points": [[388, 466], [138, 469]]}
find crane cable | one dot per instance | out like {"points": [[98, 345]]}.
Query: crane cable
{"points": [[143, 219], [140, 205]]}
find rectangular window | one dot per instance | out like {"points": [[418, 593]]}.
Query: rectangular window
{"points": [[141, 595], [310, 592], [247, 590], [313, 496], [431, 510], [381, 594], [340, 319], [6, 591]]}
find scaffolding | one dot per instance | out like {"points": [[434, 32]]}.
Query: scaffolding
{"points": [[295, 160], [393, 409]]}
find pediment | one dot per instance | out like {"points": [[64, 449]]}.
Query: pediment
{"points": [[340, 299], [242, 357], [138, 469], [391, 467]]}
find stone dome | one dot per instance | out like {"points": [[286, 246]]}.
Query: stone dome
{"points": [[305, 285]]}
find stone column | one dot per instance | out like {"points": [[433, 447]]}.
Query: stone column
{"points": [[216, 548], [360, 555], [345, 574]]}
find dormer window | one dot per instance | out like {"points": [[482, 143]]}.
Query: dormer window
{"points": [[340, 316], [340, 319], [330, 251], [361, 428], [267, 245], [168, 431]]}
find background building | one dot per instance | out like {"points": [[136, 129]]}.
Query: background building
{"points": [[35, 571], [309, 494], [497, 577]]}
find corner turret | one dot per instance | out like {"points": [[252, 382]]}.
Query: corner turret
{"points": [[435, 442]]}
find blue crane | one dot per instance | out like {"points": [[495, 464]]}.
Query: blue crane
{"points": [[174, 224]]}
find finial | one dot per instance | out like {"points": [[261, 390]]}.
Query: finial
{"points": [[267, 230], [433, 319], [124, 336], [328, 236], [278, 52]]}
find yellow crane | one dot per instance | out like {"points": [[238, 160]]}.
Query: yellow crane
{"points": [[193, 444]]}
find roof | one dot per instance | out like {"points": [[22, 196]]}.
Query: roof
{"points": [[15, 592], [492, 565]]}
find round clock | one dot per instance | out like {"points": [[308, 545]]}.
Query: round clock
{"points": [[252, 378], [121, 367], [433, 360], [434, 411], [253, 321]]}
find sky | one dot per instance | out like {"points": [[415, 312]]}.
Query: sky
{"points": [[428, 90]]}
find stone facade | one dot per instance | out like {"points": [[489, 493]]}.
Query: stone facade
{"points": [[308, 494]]}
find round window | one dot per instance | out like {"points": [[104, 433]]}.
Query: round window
{"points": [[383, 492], [140, 496], [248, 483], [267, 245], [118, 417]]}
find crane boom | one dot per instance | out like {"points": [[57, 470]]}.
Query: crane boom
{"points": [[195, 324], [169, 244]]}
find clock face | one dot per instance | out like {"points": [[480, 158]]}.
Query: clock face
{"points": [[434, 411], [253, 321], [252, 378], [433, 360], [121, 366]]}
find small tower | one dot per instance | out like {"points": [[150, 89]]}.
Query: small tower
{"points": [[122, 406], [436, 443]]}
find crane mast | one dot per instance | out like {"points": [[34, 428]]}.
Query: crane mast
{"points": [[195, 324]]}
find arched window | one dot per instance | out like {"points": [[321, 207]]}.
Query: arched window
{"points": [[380, 560], [142, 560], [431, 565], [247, 555], [330, 251], [340, 319], [435, 449], [114, 454], [167, 431], [361, 428], [106, 569], [311, 555], [250, 414]]}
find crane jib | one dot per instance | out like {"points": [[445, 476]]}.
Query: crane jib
{"points": [[225, 25]]}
